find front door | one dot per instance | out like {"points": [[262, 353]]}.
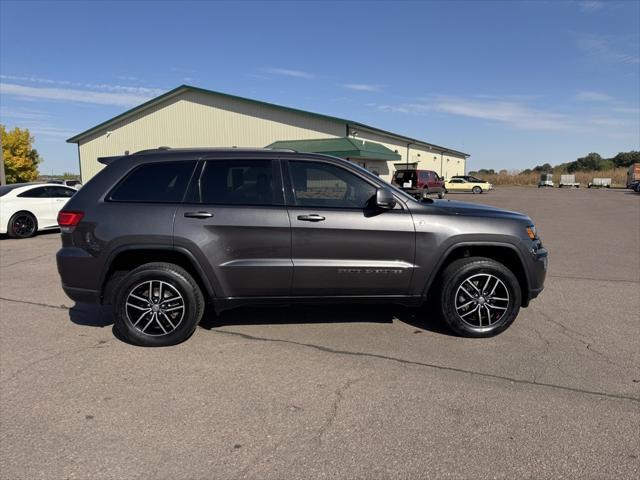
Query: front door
{"points": [[235, 219], [341, 246]]}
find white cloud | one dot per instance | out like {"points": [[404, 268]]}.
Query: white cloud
{"points": [[290, 73], [590, 5], [126, 99], [363, 87], [21, 114], [590, 96], [142, 91], [515, 114], [608, 49], [51, 132], [38, 123]]}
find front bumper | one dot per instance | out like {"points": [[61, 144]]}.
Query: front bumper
{"points": [[537, 272]]}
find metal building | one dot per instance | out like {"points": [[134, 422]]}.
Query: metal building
{"points": [[193, 117]]}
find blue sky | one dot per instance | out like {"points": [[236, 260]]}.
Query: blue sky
{"points": [[514, 84]]}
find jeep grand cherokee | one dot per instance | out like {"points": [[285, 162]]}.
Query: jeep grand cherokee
{"points": [[160, 232]]}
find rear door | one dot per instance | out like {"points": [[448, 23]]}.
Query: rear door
{"points": [[59, 197], [235, 221], [37, 201], [340, 245]]}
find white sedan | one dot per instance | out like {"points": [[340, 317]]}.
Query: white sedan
{"points": [[26, 208]]}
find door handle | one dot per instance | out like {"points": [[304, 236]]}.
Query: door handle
{"points": [[314, 217], [198, 214]]}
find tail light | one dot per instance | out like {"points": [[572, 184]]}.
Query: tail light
{"points": [[69, 219]]}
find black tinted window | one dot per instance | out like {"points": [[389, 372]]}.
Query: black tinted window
{"points": [[326, 185], [40, 192], [238, 182], [155, 182], [60, 192]]}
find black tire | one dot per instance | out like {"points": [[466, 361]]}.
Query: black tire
{"points": [[441, 195], [22, 225], [168, 327], [425, 192], [477, 190], [455, 279]]}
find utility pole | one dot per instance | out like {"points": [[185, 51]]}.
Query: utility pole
{"points": [[3, 178]]}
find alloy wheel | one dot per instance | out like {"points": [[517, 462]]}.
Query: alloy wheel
{"points": [[155, 307], [23, 226], [481, 300]]}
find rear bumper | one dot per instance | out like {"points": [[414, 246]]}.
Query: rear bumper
{"points": [[79, 274], [81, 295]]}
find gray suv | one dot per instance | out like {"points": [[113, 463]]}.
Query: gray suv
{"points": [[159, 233]]}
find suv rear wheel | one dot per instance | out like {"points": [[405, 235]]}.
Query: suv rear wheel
{"points": [[480, 297], [158, 304]]}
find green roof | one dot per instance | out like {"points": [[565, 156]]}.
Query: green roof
{"points": [[340, 147], [187, 88]]}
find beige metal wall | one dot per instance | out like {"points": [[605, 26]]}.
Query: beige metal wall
{"points": [[444, 164], [194, 119]]}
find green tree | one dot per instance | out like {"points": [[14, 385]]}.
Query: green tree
{"points": [[543, 168], [626, 159], [20, 158]]}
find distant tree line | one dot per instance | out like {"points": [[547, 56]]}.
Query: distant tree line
{"points": [[589, 163]]}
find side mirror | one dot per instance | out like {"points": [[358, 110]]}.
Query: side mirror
{"points": [[385, 198]]}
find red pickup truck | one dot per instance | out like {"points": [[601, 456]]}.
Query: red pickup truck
{"points": [[419, 183]]}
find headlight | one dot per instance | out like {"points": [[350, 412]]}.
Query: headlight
{"points": [[531, 231]]}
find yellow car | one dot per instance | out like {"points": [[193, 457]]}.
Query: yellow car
{"points": [[463, 185]]}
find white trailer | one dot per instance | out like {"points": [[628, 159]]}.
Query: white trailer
{"points": [[546, 180], [600, 183], [568, 181]]}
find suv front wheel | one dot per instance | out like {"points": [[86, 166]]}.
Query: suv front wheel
{"points": [[158, 304], [480, 297]]}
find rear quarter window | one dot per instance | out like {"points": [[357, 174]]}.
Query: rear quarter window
{"points": [[164, 182]]}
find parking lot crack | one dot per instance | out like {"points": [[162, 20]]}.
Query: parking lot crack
{"points": [[593, 279], [321, 348], [333, 413], [26, 302], [30, 365], [26, 260], [575, 335]]}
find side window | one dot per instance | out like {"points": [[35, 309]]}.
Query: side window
{"points": [[163, 182], [60, 192], [238, 182], [40, 192], [318, 184]]}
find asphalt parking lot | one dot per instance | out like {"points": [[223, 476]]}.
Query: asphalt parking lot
{"points": [[339, 392]]}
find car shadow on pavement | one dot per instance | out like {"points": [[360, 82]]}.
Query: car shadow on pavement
{"points": [[91, 315], [419, 318]]}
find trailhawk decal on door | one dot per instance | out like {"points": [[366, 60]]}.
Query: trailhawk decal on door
{"points": [[390, 271]]}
